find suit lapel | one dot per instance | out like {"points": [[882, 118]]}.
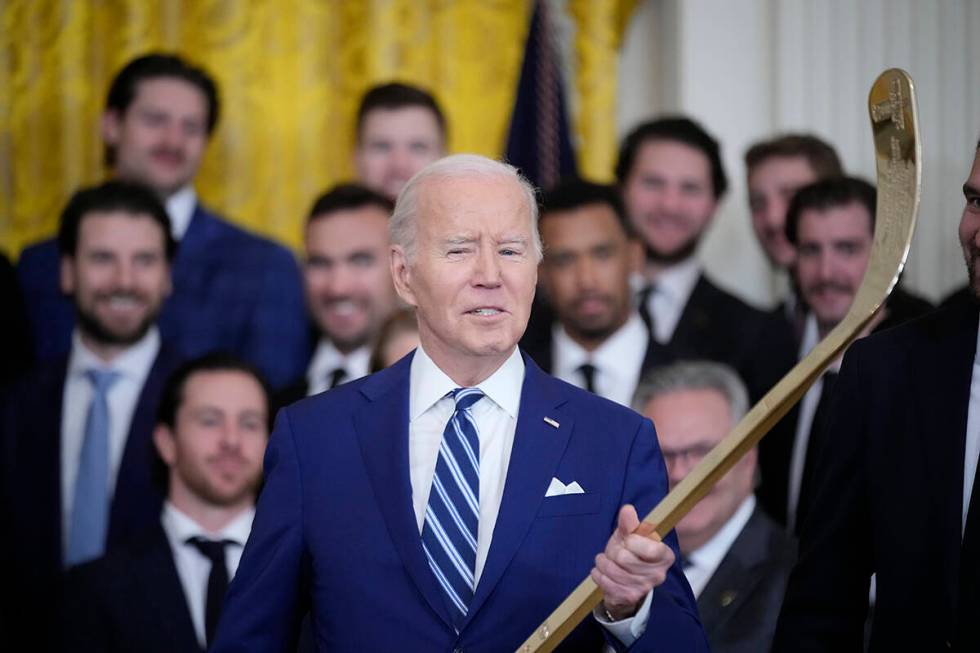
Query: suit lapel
{"points": [[695, 322], [159, 583], [538, 447], [382, 430]]}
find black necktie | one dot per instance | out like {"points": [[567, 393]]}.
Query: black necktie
{"points": [[336, 378], [818, 436], [217, 581], [643, 307], [968, 595], [588, 373]]}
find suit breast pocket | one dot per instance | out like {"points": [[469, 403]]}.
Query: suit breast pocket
{"points": [[570, 504]]}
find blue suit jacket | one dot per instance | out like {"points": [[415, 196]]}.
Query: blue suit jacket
{"points": [[232, 291], [336, 532]]}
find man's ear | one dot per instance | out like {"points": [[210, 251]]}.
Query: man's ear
{"points": [[637, 257], [401, 275], [110, 127], [163, 439], [66, 273]]}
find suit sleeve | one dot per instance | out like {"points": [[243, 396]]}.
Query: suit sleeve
{"points": [[673, 624], [266, 599], [827, 598]]}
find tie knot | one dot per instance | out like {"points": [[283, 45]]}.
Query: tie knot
{"points": [[213, 550], [336, 377], [466, 397], [101, 380]]}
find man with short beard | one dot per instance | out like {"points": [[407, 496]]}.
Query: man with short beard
{"points": [[349, 292], [671, 177], [895, 489], [163, 590], [77, 430], [590, 249]]}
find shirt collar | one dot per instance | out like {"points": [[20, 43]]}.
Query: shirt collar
{"points": [[181, 527], [678, 281], [710, 554], [180, 208], [608, 356], [429, 384], [327, 358], [134, 362]]}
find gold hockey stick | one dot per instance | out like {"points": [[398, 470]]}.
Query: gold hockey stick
{"points": [[891, 104]]}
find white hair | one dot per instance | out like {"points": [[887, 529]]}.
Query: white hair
{"points": [[402, 226], [694, 375]]}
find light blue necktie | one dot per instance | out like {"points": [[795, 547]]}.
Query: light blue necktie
{"points": [[90, 511], [449, 533]]}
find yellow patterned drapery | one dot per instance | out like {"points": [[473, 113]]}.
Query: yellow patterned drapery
{"points": [[290, 75]]}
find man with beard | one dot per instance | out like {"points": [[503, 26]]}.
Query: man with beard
{"points": [[590, 250], [163, 590], [671, 177], [895, 489], [233, 290], [400, 130], [348, 286], [831, 225], [77, 431]]}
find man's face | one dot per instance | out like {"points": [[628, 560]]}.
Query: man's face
{"points": [[689, 424], [348, 279], [160, 139], [970, 225], [772, 184], [215, 449], [833, 251], [586, 270], [118, 276], [393, 145], [473, 273], [669, 197]]}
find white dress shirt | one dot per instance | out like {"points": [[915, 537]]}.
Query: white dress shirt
{"points": [[703, 562], [429, 410], [327, 358], [193, 568], [133, 366], [972, 451], [180, 208], [672, 290], [618, 361]]}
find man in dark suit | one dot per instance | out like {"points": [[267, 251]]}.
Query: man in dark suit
{"points": [[590, 251], [895, 491], [233, 290], [461, 493], [163, 590], [735, 557], [831, 224], [348, 286], [75, 481], [671, 176]]}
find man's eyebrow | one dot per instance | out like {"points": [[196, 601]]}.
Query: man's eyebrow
{"points": [[970, 190]]}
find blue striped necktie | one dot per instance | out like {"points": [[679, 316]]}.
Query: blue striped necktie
{"points": [[449, 533], [90, 507]]}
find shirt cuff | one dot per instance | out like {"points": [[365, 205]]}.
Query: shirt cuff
{"points": [[626, 630]]}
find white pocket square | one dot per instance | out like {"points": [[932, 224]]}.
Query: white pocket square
{"points": [[557, 488]]}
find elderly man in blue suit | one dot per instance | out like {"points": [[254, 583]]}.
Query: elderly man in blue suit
{"points": [[451, 501], [233, 290]]}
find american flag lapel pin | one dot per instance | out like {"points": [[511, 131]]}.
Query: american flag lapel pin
{"points": [[551, 422]]}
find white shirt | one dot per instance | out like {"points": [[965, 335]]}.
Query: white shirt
{"points": [[804, 422], [972, 451], [133, 366], [327, 358], [703, 562], [618, 360], [672, 289], [180, 208], [429, 410], [193, 568]]}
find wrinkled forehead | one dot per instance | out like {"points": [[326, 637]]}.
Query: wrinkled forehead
{"points": [[477, 202]]}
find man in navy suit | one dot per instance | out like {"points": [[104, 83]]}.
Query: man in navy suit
{"points": [[76, 432], [451, 501], [163, 590], [233, 290]]}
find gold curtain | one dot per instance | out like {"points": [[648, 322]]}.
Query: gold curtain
{"points": [[290, 75]]}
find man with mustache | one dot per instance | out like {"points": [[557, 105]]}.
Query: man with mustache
{"points": [[233, 290], [831, 225], [671, 177], [590, 250], [895, 489], [349, 293], [163, 590], [77, 430]]}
